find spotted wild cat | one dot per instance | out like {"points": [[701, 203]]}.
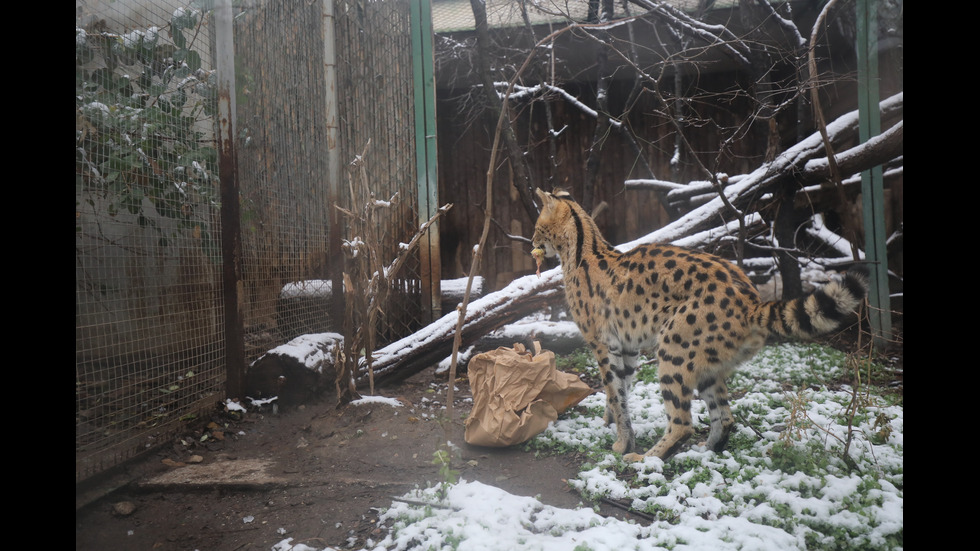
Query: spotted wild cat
{"points": [[699, 312]]}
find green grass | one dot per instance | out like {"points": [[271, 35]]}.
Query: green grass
{"points": [[797, 412]]}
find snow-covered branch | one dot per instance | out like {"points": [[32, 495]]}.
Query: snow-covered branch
{"points": [[887, 145], [806, 163], [520, 92]]}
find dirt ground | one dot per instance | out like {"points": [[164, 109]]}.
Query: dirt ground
{"points": [[315, 473]]}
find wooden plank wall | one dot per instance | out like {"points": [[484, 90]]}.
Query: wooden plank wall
{"points": [[464, 153]]}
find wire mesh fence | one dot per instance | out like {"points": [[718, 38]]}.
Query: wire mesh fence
{"points": [[375, 72], [282, 173], [151, 342], [148, 329]]}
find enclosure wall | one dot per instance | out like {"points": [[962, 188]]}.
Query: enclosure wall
{"points": [[149, 335], [151, 343]]}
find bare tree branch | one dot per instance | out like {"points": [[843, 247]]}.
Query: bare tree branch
{"points": [[526, 185]]}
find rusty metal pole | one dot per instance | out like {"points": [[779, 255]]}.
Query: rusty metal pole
{"points": [[231, 244]]}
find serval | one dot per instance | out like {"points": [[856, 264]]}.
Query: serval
{"points": [[699, 312]]}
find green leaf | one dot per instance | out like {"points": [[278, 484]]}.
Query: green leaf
{"points": [[178, 99], [103, 77], [156, 89], [179, 39], [182, 71], [146, 78], [193, 60], [201, 154]]}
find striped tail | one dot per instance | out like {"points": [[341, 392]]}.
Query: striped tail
{"points": [[816, 313]]}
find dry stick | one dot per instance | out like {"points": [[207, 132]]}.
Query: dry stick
{"points": [[377, 289], [488, 210], [856, 388], [424, 503], [628, 509], [548, 115], [488, 216], [745, 423], [379, 285], [821, 122], [836, 179]]}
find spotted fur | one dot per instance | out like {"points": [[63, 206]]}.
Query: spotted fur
{"points": [[699, 312]]}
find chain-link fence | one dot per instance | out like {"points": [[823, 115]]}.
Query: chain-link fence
{"points": [[151, 342]]}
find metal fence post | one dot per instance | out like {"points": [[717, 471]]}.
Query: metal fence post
{"points": [[872, 187], [231, 246], [335, 261], [425, 156]]}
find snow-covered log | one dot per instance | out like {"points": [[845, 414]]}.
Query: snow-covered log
{"points": [[560, 337], [295, 372], [434, 342]]}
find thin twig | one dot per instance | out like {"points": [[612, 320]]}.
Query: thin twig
{"points": [[628, 509], [835, 177], [745, 422], [425, 503]]}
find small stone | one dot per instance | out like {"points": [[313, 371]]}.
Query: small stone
{"points": [[195, 459], [124, 508]]}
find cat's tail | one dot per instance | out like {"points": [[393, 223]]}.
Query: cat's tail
{"points": [[817, 313]]}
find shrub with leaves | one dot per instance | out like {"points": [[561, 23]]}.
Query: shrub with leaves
{"points": [[144, 111]]}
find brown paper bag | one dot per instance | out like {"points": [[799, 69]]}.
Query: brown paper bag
{"points": [[516, 394]]}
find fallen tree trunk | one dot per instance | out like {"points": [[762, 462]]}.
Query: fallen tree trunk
{"points": [[790, 164], [561, 337], [805, 163], [433, 343]]}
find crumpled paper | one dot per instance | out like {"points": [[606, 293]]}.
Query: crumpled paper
{"points": [[516, 394]]}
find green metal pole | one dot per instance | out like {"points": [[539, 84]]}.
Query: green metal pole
{"points": [[425, 155], [872, 188]]}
